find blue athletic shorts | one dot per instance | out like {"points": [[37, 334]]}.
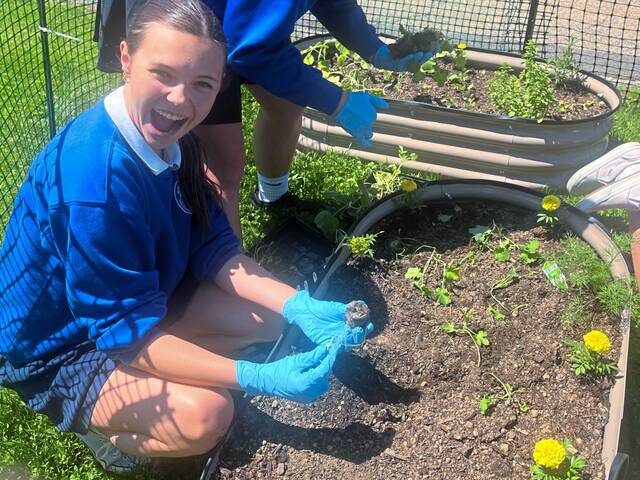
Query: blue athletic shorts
{"points": [[65, 388]]}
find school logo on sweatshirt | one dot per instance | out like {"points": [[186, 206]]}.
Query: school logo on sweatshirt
{"points": [[177, 194]]}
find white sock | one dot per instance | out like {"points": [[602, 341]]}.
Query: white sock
{"points": [[271, 189]]}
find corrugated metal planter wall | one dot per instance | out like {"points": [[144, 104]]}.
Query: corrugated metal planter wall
{"points": [[465, 144]]}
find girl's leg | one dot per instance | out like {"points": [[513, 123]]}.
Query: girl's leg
{"points": [[146, 416], [634, 227], [149, 416], [213, 319]]}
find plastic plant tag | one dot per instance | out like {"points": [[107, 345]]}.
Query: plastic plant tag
{"points": [[555, 275]]}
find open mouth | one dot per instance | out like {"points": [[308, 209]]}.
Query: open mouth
{"points": [[166, 122]]}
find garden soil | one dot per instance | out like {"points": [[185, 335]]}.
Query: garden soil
{"points": [[572, 101], [406, 405]]}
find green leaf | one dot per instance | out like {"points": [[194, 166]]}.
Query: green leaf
{"points": [[418, 76], [327, 223], [444, 218], [309, 59], [443, 297], [481, 338], [451, 273], [449, 327], [440, 76], [496, 314], [424, 290], [413, 273], [502, 254], [486, 404]]}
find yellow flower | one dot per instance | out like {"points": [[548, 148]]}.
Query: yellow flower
{"points": [[462, 45], [597, 341], [549, 453], [550, 203], [408, 185]]}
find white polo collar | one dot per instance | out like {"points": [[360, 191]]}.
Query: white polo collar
{"points": [[115, 106]]}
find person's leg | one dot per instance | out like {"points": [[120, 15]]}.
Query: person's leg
{"points": [[275, 135], [222, 141], [223, 145], [213, 319], [143, 415]]}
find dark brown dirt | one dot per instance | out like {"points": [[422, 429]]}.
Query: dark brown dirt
{"points": [[406, 405]]}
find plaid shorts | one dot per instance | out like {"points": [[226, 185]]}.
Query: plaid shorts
{"points": [[65, 387]]}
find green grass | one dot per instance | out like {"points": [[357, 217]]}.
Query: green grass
{"points": [[30, 447], [627, 121]]}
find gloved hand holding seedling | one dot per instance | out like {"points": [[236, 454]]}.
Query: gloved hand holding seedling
{"points": [[410, 50], [326, 322]]}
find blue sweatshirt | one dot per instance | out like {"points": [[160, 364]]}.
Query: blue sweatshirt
{"points": [[98, 240], [258, 33]]}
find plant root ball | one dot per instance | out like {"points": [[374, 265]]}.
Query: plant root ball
{"points": [[357, 314]]}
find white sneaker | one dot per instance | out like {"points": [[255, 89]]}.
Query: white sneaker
{"points": [[109, 456], [619, 163], [624, 193]]}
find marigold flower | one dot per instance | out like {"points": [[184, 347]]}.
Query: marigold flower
{"points": [[550, 203], [359, 245], [549, 453], [462, 45], [597, 341], [408, 185]]}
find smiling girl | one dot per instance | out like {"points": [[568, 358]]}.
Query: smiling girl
{"points": [[124, 297]]}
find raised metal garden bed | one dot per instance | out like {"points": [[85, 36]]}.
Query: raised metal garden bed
{"points": [[465, 144]]}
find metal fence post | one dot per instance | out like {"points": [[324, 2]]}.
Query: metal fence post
{"points": [[47, 68], [531, 22]]}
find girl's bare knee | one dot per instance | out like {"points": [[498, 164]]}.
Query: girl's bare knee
{"points": [[204, 419]]}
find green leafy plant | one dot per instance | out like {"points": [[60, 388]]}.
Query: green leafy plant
{"points": [[556, 460], [495, 313], [509, 395], [565, 70], [327, 223], [529, 252], [479, 337], [529, 95], [502, 252], [362, 245], [509, 279], [587, 357]]}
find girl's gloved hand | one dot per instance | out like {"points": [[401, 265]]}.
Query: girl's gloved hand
{"points": [[358, 114], [383, 59], [303, 377], [323, 321]]}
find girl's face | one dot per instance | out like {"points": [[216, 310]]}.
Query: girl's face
{"points": [[172, 80]]}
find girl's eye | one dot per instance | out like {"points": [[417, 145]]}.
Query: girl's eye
{"points": [[203, 84], [160, 74]]}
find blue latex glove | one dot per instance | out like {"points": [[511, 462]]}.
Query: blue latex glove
{"points": [[383, 59], [322, 321], [358, 114], [302, 377]]}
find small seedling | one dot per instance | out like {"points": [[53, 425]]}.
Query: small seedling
{"points": [[495, 313], [442, 296], [509, 279], [509, 395], [502, 252], [451, 273], [479, 338], [529, 252]]}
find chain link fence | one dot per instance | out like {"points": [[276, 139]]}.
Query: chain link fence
{"points": [[48, 57]]}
